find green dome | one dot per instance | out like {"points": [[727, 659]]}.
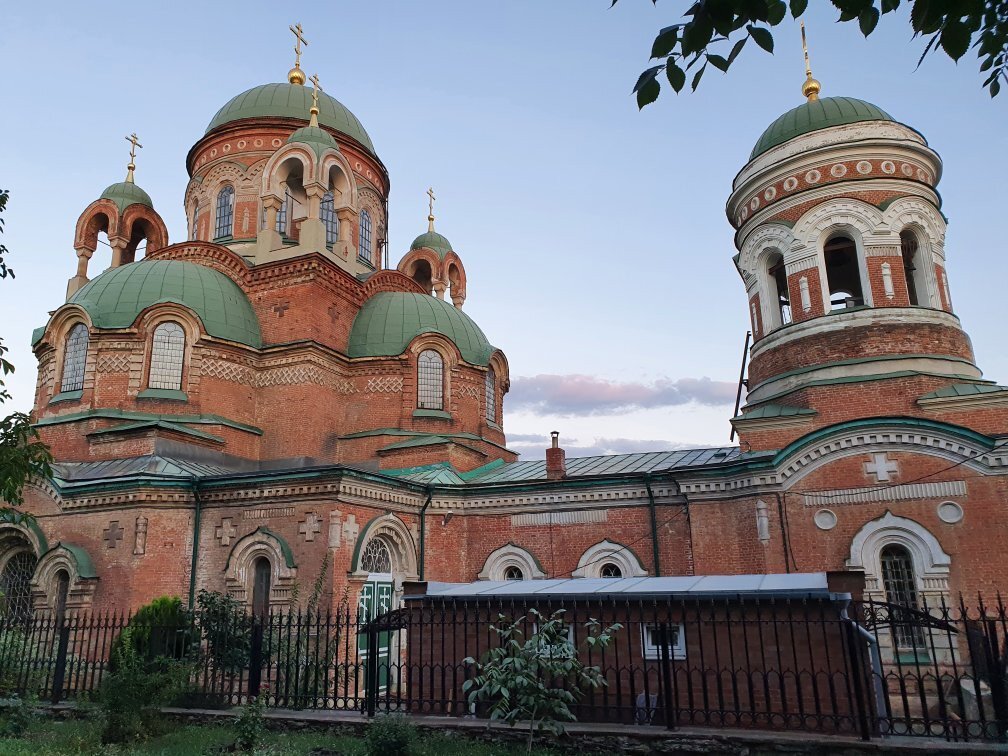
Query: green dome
{"points": [[318, 139], [433, 240], [815, 115], [390, 320], [291, 101], [126, 193], [117, 296]]}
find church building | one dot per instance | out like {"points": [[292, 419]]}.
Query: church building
{"points": [[269, 400]]}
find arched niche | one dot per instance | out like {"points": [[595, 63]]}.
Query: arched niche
{"points": [[595, 559], [506, 562], [65, 579], [393, 533], [240, 570]]}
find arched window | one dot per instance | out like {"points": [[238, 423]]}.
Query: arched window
{"points": [[430, 380], [167, 356], [514, 573], [262, 572], [285, 211], [900, 586], [327, 212], [376, 557], [914, 268], [62, 593], [195, 221], [843, 276], [780, 298], [225, 212], [491, 395], [364, 242], [610, 570], [74, 357], [15, 582]]}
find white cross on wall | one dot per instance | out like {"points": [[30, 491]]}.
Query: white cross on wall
{"points": [[881, 467]]}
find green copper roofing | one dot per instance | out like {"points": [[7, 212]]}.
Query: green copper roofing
{"points": [[126, 193], [291, 101], [318, 139], [117, 296], [85, 567], [815, 115], [964, 389], [775, 410], [433, 240], [390, 320]]}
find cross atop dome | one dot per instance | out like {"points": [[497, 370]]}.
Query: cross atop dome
{"points": [[131, 166], [430, 214], [296, 75], [811, 87]]}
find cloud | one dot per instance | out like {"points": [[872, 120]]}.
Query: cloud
{"points": [[589, 395], [529, 450]]}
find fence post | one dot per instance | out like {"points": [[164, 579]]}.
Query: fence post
{"points": [[59, 674], [371, 671], [255, 656], [854, 642], [997, 667], [664, 639]]}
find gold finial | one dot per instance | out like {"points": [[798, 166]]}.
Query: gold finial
{"points": [[314, 100], [811, 87], [134, 143], [296, 75], [430, 216]]}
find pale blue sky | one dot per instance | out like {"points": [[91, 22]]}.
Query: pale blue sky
{"points": [[594, 236]]}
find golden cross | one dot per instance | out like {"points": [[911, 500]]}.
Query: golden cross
{"points": [[811, 87], [430, 193], [134, 142], [315, 91], [804, 44], [298, 32]]}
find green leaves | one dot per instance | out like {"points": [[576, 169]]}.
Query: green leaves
{"points": [[761, 37], [955, 38], [647, 87], [868, 20]]}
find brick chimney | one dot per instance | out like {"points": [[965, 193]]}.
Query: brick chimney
{"points": [[556, 465]]}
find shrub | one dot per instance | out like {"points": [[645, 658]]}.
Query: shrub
{"points": [[162, 628], [390, 735], [250, 724], [20, 716], [16, 676], [227, 630]]}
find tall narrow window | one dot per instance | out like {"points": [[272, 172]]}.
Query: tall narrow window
{"points": [[225, 212], [364, 242], [901, 588], [167, 356], [195, 221], [430, 380], [62, 593], [779, 288], [842, 273], [15, 581], [914, 269], [74, 357], [284, 212], [491, 395], [262, 571], [327, 212]]}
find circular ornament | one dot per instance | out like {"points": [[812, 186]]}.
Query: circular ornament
{"points": [[863, 167], [754, 203], [813, 177], [213, 152], [922, 175], [888, 166], [357, 165], [226, 148], [825, 519], [906, 170], [242, 144], [745, 213], [790, 184], [838, 171], [276, 142], [770, 193], [950, 512], [258, 142]]}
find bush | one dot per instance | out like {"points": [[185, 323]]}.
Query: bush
{"points": [[390, 735], [250, 724], [227, 630], [161, 629], [16, 676], [20, 716]]}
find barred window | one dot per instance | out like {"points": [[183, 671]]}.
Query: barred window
{"points": [[376, 557], [491, 395], [327, 212], [430, 380], [167, 355], [610, 570], [15, 582], [225, 212], [364, 243], [74, 357], [901, 588], [284, 212]]}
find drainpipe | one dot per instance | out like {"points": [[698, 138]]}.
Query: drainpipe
{"points": [[784, 533], [654, 525], [195, 542], [423, 528]]}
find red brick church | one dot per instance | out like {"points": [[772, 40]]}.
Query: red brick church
{"points": [[237, 405]]}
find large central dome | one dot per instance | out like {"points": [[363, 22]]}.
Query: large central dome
{"points": [[291, 101]]}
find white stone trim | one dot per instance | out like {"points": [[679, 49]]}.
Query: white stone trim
{"points": [[571, 517], [871, 494], [591, 562], [239, 573], [44, 583], [506, 556], [401, 543], [931, 563]]}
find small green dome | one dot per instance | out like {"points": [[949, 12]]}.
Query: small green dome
{"points": [[433, 240], [318, 139], [291, 101], [390, 320], [815, 115], [117, 296], [126, 193]]}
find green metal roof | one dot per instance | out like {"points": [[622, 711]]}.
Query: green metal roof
{"points": [[775, 410], [85, 567], [291, 101], [964, 389], [815, 115], [390, 320], [318, 139], [126, 193], [117, 296], [433, 240]]}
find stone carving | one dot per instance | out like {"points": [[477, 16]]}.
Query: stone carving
{"points": [[384, 384], [350, 529], [881, 467], [140, 537], [112, 534], [310, 526], [112, 363], [334, 529], [468, 389], [225, 532], [267, 512]]}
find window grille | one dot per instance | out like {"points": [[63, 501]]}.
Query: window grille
{"points": [[901, 588], [167, 357], [15, 582], [327, 212], [376, 557], [74, 358], [284, 212], [610, 570], [364, 243], [225, 212], [514, 573], [653, 637], [491, 395], [430, 380]]}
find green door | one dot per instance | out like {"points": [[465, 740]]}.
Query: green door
{"points": [[375, 599]]}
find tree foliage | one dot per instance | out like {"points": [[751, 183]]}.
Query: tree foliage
{"points": [[22, 455], [714, 33]]}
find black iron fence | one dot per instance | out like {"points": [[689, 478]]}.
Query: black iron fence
{"points": [[868, 669]]}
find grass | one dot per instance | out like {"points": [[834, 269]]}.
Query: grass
{"points": [[83, 738]]}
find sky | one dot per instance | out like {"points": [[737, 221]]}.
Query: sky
{"points": [[594, 237]]}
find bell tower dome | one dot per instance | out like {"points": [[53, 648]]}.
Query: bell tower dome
{"points": [[841, 248]]}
